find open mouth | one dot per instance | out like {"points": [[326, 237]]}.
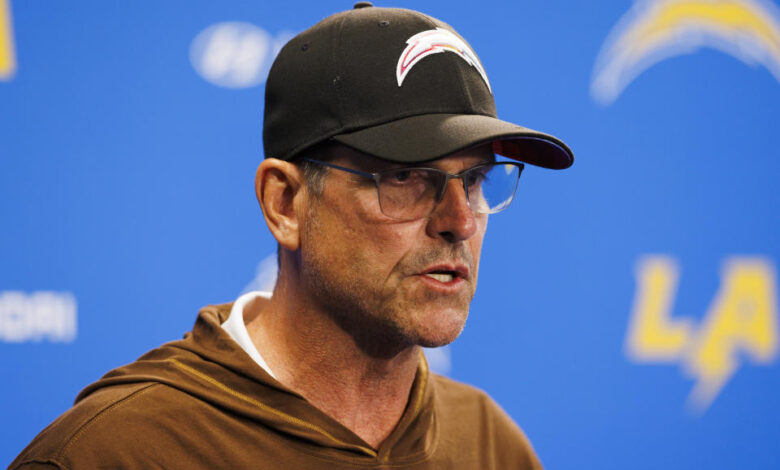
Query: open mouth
{"points": [[442, 276], [447, 273]]}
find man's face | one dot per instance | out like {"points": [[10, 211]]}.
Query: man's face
{"points": [[389, 282]]}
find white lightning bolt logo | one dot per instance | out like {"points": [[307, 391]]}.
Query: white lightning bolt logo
{"points": [[434, 41]]}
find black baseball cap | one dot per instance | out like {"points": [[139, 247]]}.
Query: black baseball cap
{"points": [[393, 83]]}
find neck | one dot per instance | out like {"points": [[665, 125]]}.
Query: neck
{"points": [[310, 353]]}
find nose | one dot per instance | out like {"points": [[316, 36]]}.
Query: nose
{"points": [[452, 219]]}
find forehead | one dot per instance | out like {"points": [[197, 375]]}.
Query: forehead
{"points": [[341, 154]]}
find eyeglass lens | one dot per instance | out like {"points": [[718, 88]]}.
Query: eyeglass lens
{"points": [[412, 193]]}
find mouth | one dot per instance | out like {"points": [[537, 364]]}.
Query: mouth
{"points": [[446, 274], [441, 276]]}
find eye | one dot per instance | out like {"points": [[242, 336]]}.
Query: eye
{"points": [[476, 176], [400, 176], [404, 177]]}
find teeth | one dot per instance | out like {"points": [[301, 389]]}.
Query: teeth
{"points": [[441, 277]]}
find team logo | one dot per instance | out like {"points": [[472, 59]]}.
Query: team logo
{"points": [[37, 316], [235, 54], [740, 323], [655, 30], [7, 57], [434, 41]]}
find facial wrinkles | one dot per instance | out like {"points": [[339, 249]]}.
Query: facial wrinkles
{"points": [[384, 311], [412, 308], [418, 261], [377, 305]]}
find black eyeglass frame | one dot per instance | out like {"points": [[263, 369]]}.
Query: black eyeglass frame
{"points": [[376, 176]]}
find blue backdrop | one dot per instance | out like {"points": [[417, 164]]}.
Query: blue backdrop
{"points": [[626, 315]]}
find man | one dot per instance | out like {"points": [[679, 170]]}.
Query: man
{"points": [[380, 136]]}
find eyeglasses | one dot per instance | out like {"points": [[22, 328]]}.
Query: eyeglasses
{"points": [[412, 193]]}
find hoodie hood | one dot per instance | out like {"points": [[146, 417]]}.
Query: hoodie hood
{"points": [[209, 365]]}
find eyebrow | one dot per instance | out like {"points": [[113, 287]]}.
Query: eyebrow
{"points": [[385, 165]]}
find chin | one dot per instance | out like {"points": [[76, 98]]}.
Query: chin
{"points": [[435, 343], [441, 330]]}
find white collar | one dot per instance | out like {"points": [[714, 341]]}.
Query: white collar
{"points": [[236, 328]]}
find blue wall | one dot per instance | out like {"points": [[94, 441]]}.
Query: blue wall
{"points": [[626, 315]]}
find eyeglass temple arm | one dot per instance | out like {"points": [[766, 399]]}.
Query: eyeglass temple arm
{"points": [[342, 168]]}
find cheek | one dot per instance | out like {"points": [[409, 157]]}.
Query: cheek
{"points": [[362, 235], [475, 242], [384, 244], [373, 228]]}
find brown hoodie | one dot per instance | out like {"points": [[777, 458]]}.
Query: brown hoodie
{"points": [[203, 403]]}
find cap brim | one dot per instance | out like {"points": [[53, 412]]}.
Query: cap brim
{"points": [[431, 136]]}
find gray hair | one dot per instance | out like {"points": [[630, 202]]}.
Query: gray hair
{"points": [[314, 174], [313, 177]]}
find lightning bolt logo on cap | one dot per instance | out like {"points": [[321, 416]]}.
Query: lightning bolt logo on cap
{"points": [[434, 41]]}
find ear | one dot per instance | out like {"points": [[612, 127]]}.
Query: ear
{"points": [[278, 184]]}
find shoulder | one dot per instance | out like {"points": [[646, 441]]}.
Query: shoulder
{"points": [[468, 413], [467, 400], [449, 389], [109, 422]]}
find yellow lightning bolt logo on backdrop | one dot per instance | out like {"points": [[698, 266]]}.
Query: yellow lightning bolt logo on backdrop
{"points": [[7, 56], [740, 322], [654, 30]]}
